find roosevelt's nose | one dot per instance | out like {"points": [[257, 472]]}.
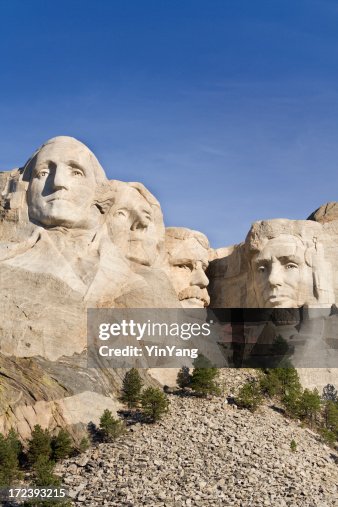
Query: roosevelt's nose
{"points": [[199, 277], [60, 179]]}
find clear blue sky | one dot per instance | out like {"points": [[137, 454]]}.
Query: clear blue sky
{"points": [[226, 109]]}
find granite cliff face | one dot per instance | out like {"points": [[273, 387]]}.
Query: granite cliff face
{"points": [[70, 239]]}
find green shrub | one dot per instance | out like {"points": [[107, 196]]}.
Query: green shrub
{"points": [[39, 446], [154, 403], [249, 396], [10, 448], [328, 436], [293, 446], [62, 445], [131, 388], [111, 428], [309, 405], [204, 381]]}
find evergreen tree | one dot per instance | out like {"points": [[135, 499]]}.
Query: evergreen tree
{"points": [[39, 446], [183, 377], [204, 381], [61, 445], [330, 413], [10, 448], [154, 403], [110, 427], [249, 396], [83, 445], [309, 405], [43, 473], [131, 388]]}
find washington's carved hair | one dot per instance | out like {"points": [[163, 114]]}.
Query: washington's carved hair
{"points": [[98, 171]]}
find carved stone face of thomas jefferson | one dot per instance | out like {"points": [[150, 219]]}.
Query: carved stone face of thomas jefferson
{"points": [[188, 261], [131, 226], [282, 278], [62, 184]]}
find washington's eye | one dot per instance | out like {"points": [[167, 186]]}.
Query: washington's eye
{"points": [[42, 173], [261, 269], [77, 172]]}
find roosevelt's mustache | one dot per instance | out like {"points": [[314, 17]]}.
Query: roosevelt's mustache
{"points": [[194, 292]]}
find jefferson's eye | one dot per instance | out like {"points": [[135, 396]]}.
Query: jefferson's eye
{"points": [[120, 213]]}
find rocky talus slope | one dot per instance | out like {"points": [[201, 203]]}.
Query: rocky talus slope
{"points": [[208, 453]]}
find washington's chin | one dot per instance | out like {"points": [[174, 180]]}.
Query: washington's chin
{"points": [[193, 303], [60, 213]]}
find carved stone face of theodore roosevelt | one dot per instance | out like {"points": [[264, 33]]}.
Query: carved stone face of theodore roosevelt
{"points": [[188, 261]]}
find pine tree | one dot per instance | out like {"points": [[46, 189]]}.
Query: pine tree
{"points": [[154, 403], [131, 388], [183, 377], [204, 381], [309, 405], [61, 445], [39, 445], [249, 396], [83, 445], [110, 427], [330, 414], [10, 448], [43, 473]]}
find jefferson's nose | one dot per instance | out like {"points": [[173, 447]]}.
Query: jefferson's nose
{"points": [[61, 176], [198, 277]]}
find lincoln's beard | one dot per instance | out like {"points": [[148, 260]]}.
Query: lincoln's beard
{"points": [[199, 297]]}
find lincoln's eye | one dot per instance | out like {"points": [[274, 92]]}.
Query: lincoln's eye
{"points": [[291, 265]]}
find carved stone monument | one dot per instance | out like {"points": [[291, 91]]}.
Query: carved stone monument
{"points": [[188, 257]]}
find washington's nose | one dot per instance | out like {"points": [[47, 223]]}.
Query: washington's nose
{"points": [[60, 179], [199, 278]]}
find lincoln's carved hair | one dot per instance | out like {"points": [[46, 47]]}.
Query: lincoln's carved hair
{"points": [[308, 234]]}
